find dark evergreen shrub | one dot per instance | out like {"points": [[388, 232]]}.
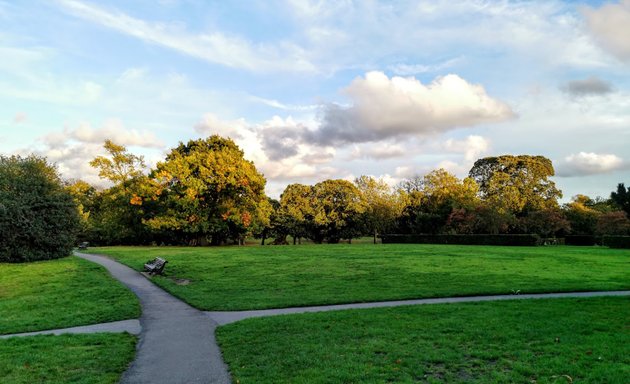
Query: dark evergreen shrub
{"points": [[38, 217]]}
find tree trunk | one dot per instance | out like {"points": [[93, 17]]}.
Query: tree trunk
{"points": [[375, 234]]}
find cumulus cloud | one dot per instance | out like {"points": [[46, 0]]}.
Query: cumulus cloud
{"points": [[592, 86], [589, 163], [610, 25], [112, 130], [471, 147], [385, 108]]}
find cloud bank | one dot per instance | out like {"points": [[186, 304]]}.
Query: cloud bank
{"points": [[589, 163], [384, 108]]}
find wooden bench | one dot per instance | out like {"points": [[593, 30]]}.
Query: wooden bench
{"points": [[83, 245], [155, 266]]}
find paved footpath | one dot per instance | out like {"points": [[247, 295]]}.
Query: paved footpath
{"points": [[177, 343]]}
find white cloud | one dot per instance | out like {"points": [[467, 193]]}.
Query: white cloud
{"points": [[589, 163], [388, 108], [20, 118], [610, 25], [378, 151], [215, 47], [472, 147], [413, 69], [112, 130]]}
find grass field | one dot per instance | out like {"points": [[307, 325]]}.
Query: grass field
{"points": [[524, 341], [60, 293], [237, 278], [97, 358]]}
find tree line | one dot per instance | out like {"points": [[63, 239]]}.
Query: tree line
{"points": [[206, 192]]}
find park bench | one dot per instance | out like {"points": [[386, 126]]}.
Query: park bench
{"points": [[83, 245], [155, 266]]}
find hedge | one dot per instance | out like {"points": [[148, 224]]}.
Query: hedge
{"points": [[520, 240], [617, 241], [582, 240]]}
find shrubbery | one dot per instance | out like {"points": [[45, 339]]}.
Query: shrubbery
{"points": [[38, 217], [582, 240], [617, 241], [522, 240]]}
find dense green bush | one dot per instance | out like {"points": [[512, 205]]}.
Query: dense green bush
{"points": [[38, 217], [617, 241], [583, 240], [522, 240]]}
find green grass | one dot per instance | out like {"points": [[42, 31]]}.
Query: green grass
{"points": [[97, 358], [60, 293], [237, 278], [524, 341]]}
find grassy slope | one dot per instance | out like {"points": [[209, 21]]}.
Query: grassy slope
{"points": [[60, 293], [533, 341], [234, 278], [98, 358]]}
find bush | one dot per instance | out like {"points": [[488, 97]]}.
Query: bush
{"points": [[520, 240], [617, 241], [38, 217], [582, 240]]}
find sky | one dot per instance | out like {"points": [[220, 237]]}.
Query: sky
{"points": [[314, 90]]}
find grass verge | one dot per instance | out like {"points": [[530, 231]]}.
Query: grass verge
{"points": [[238, 278], [61, 293], [528, 341], [96, 358]]}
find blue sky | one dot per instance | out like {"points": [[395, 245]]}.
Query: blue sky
{"points": [[323, 89]]}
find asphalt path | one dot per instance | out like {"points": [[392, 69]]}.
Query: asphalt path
{"points": [[177, 343]]}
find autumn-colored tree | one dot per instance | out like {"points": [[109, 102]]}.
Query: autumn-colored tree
{"points": [[383, 204], [432, 198], [120, 166], [613, 223], [208, 192], [516, 184]]}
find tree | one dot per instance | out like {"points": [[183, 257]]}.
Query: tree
{"points": [[83, 195], [582, 215], [516, 184], [432, 199], [613, 223], [120, 167], [296, 210], [38, 217], [208, 192], [622, 198], [337, 209], [383, 204]]}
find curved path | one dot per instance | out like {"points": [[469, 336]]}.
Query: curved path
{"points": [[177, 343]]}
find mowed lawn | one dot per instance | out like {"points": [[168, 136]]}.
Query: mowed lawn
{"points": [[59, 294], [520, 341], [238, 278], [93, 359]]}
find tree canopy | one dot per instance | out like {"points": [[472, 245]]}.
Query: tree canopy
{"points": [[38, 217], [516, 184]]}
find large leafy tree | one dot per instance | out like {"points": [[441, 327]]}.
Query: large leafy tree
{"points": [[516, 184], [117, 214], [432, 198], [296, 211], [337, 209], [208, 192], [38, 216], [383, 206]]}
